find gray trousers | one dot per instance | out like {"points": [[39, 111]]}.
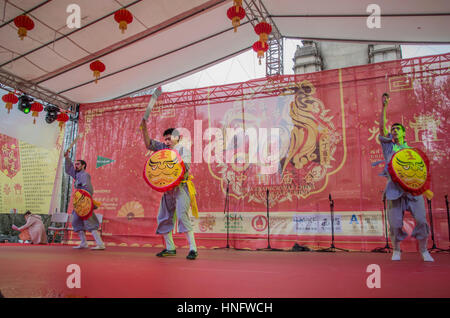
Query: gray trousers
{"points": [[79, 224], [395, 211], [174, 201]]}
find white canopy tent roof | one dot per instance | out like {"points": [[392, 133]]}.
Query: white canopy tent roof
{"points": [[170, 39]]}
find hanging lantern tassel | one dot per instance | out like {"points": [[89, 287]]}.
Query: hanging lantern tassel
{"points": [[36, 108], [236, 14], [260, 49], [237, 4], [24, 24], [62, 118], [96, 75], [10, 99], [97, 67], [260, 56], [123, 17]]}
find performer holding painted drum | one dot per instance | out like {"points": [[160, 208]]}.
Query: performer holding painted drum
{"points": [[83, 218], [407, 171], [167, 170]]}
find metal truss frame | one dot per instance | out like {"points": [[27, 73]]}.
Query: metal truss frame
{"points": [[282, 84], [256, 12], [12, 82]]}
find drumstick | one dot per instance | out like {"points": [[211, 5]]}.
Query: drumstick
{"points": [[156, 93], [152, 102], [74, 141]]}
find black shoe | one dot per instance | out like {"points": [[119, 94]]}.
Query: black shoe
{"points": [[165, 253], [192, 254]]}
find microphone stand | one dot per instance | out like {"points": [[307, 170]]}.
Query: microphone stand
{"points": [[227, 211], [332, 248], [268, 248], [386, 248], [434, 247]]}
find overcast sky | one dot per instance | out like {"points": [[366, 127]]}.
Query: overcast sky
{"points": [[245, 67]]}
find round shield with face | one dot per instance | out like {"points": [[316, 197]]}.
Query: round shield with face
{"points": [[410, 169], [83, 204], [164, 170]]}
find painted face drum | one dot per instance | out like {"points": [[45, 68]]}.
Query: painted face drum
{"points": [[410, 169], [164, 170], [83, 204]]}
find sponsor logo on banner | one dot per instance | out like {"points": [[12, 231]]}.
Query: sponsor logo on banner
{"points": [[102, 161], [371, 224], [206, 223], [259, 223], [236, 223], [316, 224], [291, 223]]}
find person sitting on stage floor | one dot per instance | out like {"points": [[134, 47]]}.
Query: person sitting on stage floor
{"points": [[397, 199], [83, 181], [176, 199], [33, 230]]}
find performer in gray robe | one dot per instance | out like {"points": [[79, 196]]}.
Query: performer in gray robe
{"points": [[176, 200], [398, 200], [83, 181]]}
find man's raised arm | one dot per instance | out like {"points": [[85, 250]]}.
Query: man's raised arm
{"points": [[385, 101]]}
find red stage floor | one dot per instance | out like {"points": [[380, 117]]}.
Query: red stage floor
{"points": [[41, 271]]}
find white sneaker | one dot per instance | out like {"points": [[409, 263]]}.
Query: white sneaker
{"points": [[81, 246], [396, 255], [98, 247], [427, 257]]}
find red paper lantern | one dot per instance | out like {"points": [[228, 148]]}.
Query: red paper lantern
{"points": [[260, 49], [123, 17], [36, 108], [62, 118], [236, 14], [263, 29], [9, 99], [97, 67], [24, 23]]}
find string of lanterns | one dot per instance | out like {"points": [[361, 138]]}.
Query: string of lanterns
{"points": [[25, 105], [263, 29], [24, 24], [124, 17]]}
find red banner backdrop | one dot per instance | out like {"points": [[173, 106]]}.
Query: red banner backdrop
{"points": [[325, 125]]}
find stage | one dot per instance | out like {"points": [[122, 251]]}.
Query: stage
{"points": [[123, 272]]}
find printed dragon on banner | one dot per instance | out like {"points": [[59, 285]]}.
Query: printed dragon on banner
{"points": [[307, 141]]}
